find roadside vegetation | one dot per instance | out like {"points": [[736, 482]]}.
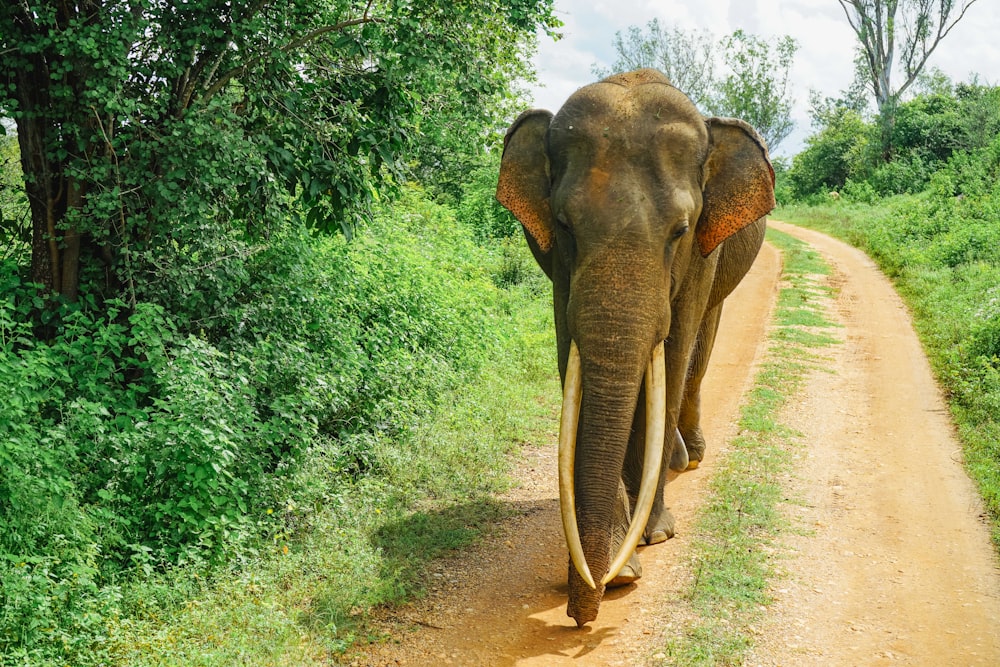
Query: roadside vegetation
{"points": [[930, 218], [264, 348], [249, 500]]}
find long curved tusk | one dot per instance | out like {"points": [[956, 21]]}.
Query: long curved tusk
{"points": [[567, 458], [656, 419]]}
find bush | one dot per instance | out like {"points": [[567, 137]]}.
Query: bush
{"points": [[903, 175], [480, 210], [929, 128], [52, 604], [972, 173], [859, 191], [930, 132], [130, 444], [833, 155]]}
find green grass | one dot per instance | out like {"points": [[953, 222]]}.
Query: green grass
{"points": [[350, 549], [741, 523]]}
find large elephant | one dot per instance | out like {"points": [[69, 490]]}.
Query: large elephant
{"points": [[645, 215]]}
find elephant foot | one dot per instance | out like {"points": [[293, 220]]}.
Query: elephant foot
{"points": [[695, 445], [659, 528], [629, 574]]}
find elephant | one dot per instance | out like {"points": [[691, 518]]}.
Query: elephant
{"points": [[645, 215]]}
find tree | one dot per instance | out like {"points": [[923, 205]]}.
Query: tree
{"points": [[462, 127], [917, 27], [835, 153], [754, 86], [160, 141], [687, 58]]}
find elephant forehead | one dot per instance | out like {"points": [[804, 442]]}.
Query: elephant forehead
{"points": [[597, 178], [641, 96], [679, 151], [626, 129], [660, 157]]}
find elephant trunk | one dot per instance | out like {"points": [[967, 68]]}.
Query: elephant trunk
{"points": [[591, 465]]}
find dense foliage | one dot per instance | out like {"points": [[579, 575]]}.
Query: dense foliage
{"points": [[177, 450], [185, 333], [844, 155], [153, 133]]}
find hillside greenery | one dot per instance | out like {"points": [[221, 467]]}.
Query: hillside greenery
{"points": [[931, 219]]}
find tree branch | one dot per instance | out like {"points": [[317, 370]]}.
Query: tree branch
{"points": [[226, 77], [942, 32]]}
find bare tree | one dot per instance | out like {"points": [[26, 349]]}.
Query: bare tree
{"points": [[687, 58], [916, 27]]}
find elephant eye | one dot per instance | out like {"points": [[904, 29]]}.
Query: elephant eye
{"points": [[563, 225], [681, 231]]}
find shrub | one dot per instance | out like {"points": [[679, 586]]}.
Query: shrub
{"points": [[53, 601], [130, 444], [833, 155], [480, 210], [859, 191], [928, 127], [932, 131], [903, 175]]}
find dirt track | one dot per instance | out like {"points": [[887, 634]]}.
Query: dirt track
{"points": [[895, 566]]}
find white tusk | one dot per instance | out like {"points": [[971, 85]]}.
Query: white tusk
{"points": [[567, 459], [656, 419]]}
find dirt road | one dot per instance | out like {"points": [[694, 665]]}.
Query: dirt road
{"points": [[894, 566]]}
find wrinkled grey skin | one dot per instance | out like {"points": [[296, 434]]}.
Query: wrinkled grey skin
{"points": [[645, 215]]}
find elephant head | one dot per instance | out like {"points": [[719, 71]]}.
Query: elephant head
{"points": [[625, 196]]}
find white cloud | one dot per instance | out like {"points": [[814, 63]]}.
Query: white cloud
{"points": [[824, 61], [746, 15]]}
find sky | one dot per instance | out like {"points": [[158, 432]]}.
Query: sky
{"points": [[824, 61]]}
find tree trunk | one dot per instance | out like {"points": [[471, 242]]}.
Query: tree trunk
{"points": [[70, 265], [47, 201], [55, 249], [886, 125]]}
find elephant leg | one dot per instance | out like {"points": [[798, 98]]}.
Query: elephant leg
{"points": [[685, 339], [660, 525], [685, 336], [689, 420], [619, 527]]}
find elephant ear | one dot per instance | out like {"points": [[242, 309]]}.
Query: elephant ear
{"points": [[739, 182], [524, 183]]}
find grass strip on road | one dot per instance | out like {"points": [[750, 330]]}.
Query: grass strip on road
{"points": [[740, 525]]}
